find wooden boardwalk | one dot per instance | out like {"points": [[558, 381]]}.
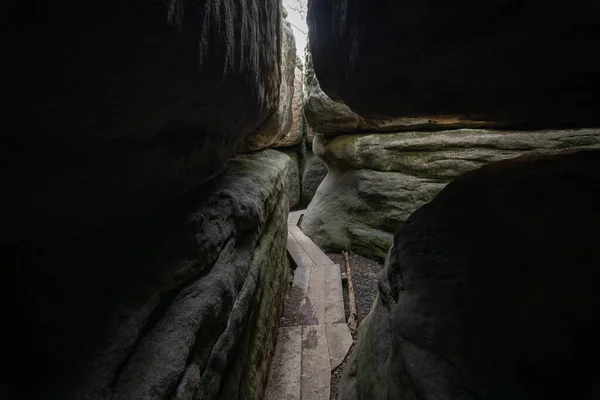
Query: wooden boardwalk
{"points": [[307, 353]]}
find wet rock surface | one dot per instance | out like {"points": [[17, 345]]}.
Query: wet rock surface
{"points": [[489, 290]]}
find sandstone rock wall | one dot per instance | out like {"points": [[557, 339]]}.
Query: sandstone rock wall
{"points": [[279, 124], [489, 290], [293, 179], [182, 303], [138, 262], [376, 181], [296, 133], [497, 62], [327, 116], [115, 107], [314, 171]]}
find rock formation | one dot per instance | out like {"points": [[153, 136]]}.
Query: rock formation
{"points": [[499, 63], [489, 287], [314, 171], [296, 132], [330, 117], [490, 290], [142, 258], [182, 303], [376, 181], [278, 125], [115, 107]]}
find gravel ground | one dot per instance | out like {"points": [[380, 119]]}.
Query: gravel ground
{"points": [[365, 274]]}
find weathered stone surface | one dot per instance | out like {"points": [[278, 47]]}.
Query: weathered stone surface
{"points": [[116, 107], [490, 290], [278, 125], [294, 135], [376, 181], [184, 302], [467, 60], [314, 171], [293, 179], [326, 116]]}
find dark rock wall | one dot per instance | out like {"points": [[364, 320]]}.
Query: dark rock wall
{"points": [[296, 133], [114, 107], [500, 62], [330, 117], [490, 290], [138, 261], [182, 303]]}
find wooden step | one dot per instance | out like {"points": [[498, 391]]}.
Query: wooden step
{"points": [[286, 365], [307, 353], [316, 367]]}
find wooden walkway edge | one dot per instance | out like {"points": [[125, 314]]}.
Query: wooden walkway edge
{"points": [[306, 353]]}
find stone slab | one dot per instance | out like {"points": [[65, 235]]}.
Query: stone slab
{"points": [[339, 342], [334, 295], [316, 367], [286, 364]]}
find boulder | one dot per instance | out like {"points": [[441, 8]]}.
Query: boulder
{"points": [[182, 303], [327, 116], [117, 107], [471, 61], [294, 179], [278, 125], [296, 132], [314, 171], [490, 290], [376, 181]]}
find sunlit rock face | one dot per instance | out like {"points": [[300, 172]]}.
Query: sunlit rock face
{"points": [[279, 124], [489, 291], [115, 107], [500, 62], [296, 132], [376, 181]]}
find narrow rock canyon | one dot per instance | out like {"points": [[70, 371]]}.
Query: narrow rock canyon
{"points": [[151, 152]]}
